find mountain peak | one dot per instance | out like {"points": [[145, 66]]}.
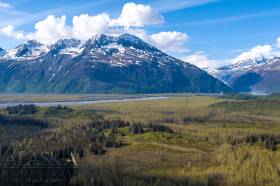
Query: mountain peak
{"points": [[68, 43], [125, 40], [130, 37], [256, 75], [29, 49], [129, 40], [32, 43], [99, 40], [252, 61], [66, 46]]}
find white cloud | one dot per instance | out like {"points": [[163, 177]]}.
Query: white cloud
{"points": [[4, 5], [51, 29], [170, 41], [137, 15], [278, 42], [85, 26], [201, 60], [257, 53], [10, 31]]}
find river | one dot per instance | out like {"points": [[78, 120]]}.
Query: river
{"points": [[74, 103]]}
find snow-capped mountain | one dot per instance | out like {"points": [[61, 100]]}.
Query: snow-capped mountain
{"points": [[123, 64], [66, 46], [227, 73], [260, 76], [30, 49], [261, 79]]}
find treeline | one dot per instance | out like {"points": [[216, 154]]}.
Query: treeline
{"points": [[22, 109], [259, 104], [20, 120], [139, 128], [59, 108], [268, 140], [101, 125]]}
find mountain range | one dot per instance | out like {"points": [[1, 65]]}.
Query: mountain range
{"points": [[102, 64], [259, 76]]}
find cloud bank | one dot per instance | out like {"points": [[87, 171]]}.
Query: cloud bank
{"points": [[132, 19]]}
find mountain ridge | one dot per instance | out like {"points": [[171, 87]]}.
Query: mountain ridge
{"points": [[102, 64], [259, 76]]}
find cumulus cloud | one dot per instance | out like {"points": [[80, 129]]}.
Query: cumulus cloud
{"points": [[51, 29], [10, 31], [85, 26], [170, 41], [201, 60], [54, 28], [132, 20], [4, 5], [257, 53], [137, 15]]}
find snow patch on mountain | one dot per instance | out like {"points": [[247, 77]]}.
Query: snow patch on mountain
{"points": [[121, 50], [29, 50]]}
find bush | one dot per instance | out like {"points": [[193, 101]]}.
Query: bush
{"points": [[159, 128], [59, 108], [137, 128], [112, 142]]}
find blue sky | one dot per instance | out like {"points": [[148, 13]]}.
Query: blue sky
{"points": [[216, 30]]}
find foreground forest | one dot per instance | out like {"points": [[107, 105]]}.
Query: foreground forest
{"points": [[182, 140]]}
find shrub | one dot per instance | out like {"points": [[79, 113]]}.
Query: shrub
{"points": [[137, 128], [159, 128]]}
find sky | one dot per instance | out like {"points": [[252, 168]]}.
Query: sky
{"points": [[207, 33]]}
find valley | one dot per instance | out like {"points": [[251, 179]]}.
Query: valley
{"points": [[181, 140], [140, 93]]}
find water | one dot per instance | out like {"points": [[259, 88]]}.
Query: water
{"points": [[73, 103]]}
